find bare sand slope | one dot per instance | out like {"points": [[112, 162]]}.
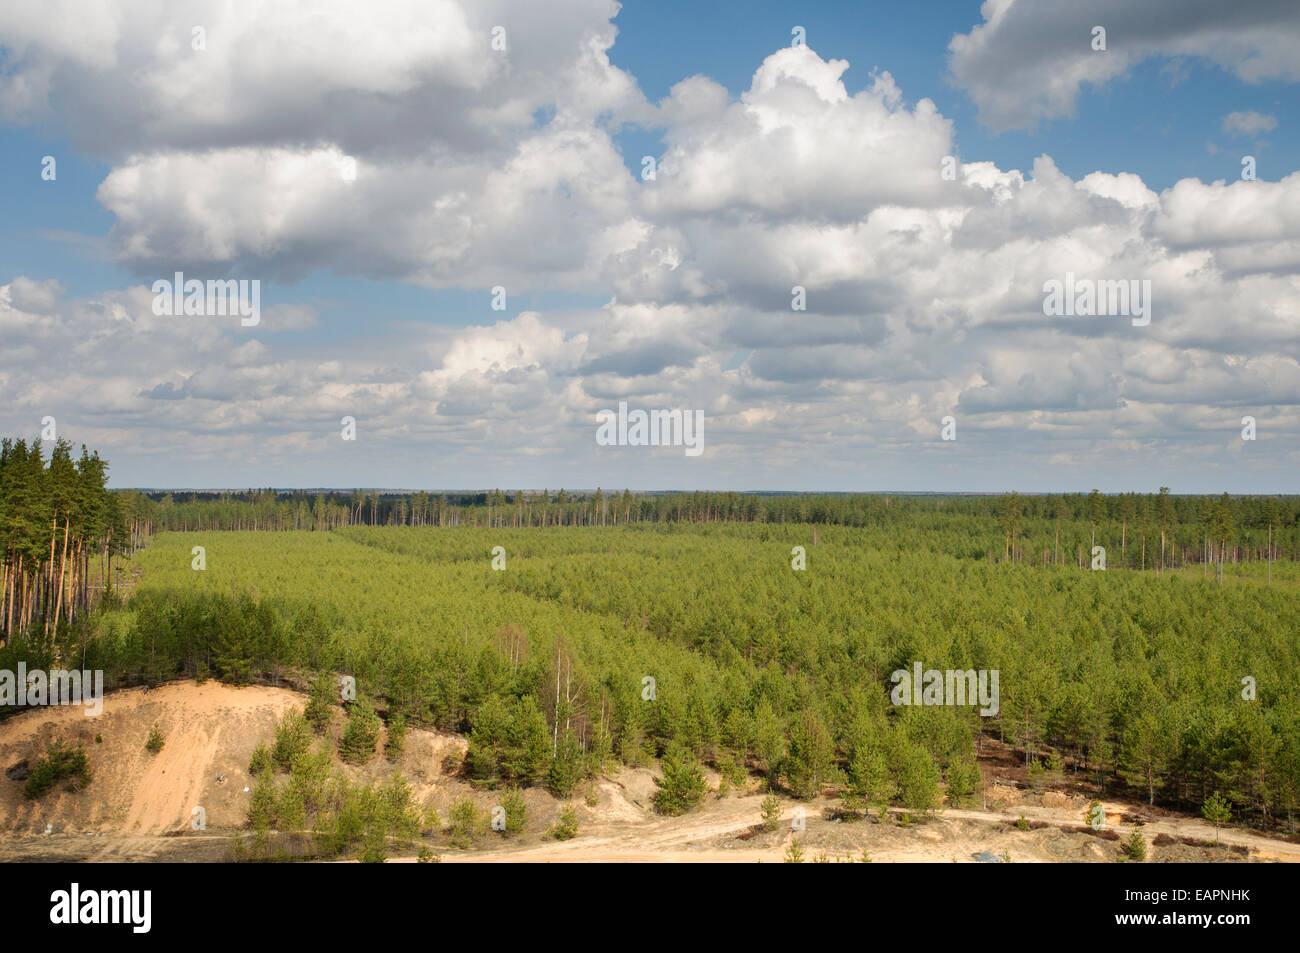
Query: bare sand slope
{"points": [[210, 730]]}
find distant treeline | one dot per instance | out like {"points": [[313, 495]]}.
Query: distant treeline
{"points": [[1138, 530]]}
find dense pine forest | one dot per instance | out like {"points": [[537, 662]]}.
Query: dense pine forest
{"points": [[60, 529], [564, 633]]}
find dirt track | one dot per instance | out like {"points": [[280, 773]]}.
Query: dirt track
{"points": [[710, 836]]}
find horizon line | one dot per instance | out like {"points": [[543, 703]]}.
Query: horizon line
{"points": [[664, 492]]}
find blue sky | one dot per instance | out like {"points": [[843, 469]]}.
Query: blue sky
{"points": [[522, 167], [1157, 122]]}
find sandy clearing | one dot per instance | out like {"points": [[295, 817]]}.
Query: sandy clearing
{"points": [[710, 835]]}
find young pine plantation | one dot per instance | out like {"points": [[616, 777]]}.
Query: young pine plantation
{"points": [[683, 638]]}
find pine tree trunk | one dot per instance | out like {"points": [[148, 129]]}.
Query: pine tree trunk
{"points": [[54, 534], [9, 605], [58, 604], [555, 731], [4, 581]]}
